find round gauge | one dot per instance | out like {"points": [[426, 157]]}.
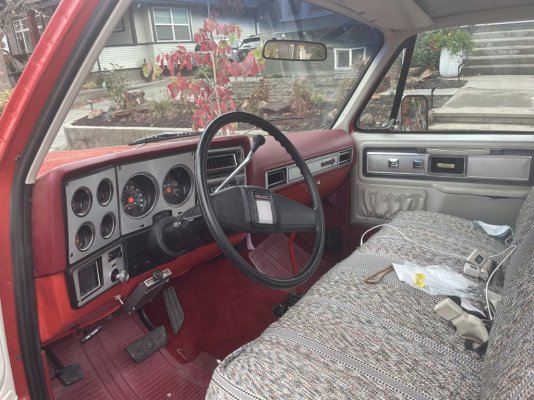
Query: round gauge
{"points": [[81, 201], [104, 192], [85, 236], [177, 185], [107, 226], [139, 195]]}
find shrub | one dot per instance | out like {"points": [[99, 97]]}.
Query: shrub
{"points": [[259, 94], [454, 39], [212, 95], [425, 55], [162, 107], [117, 84], [302, 96]]}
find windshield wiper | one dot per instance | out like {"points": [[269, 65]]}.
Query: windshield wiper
{"points": [[164, 136]]}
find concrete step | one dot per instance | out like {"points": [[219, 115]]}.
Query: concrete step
{"points": [[500, 60], [504, 42], [524, 33], [502, 69], [482, 116], [512, 50], [509, 26], [480, 127]]}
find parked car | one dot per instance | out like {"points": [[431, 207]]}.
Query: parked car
{"points": [[343, 224], [247, 45]]}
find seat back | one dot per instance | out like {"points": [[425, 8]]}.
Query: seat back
{"points": [[508, 371], [525, 218]]}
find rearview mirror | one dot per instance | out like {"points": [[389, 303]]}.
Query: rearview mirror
{"points": [[294, 50], [414, 113]]}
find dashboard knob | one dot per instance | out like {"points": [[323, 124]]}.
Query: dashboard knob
{"points": [[157, 275], [121, 276]]}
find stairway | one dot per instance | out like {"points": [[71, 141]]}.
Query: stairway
{"points": [[502, 49]]}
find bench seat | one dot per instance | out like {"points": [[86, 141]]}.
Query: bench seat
{"points": [[347, 339]]}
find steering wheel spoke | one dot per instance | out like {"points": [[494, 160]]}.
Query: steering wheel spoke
{"points": [[258, 210]]}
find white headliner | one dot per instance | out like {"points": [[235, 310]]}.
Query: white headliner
{"points": [[417, 15]]}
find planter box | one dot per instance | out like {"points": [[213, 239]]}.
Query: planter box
{"points": [[87, 137], [449, 63]]}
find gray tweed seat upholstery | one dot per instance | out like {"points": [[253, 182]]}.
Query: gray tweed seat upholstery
{"points": [[346, 339]]}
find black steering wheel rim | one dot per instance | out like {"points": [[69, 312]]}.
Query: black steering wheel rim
{"points": [[211, 220]]}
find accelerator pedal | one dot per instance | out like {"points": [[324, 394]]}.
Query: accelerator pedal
{"points": [[174, 309], [292, 299], [148, 344]]}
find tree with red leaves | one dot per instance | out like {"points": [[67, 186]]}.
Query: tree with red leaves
{"points": [[210, 96]]}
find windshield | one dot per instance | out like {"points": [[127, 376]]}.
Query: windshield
{"points": [[173, 67]]}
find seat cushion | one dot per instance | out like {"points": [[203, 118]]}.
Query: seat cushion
{"points": [[428, 238], [348, 339]]}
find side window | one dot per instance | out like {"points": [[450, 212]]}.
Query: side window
{"points": [[377, 113], [476, 78]]}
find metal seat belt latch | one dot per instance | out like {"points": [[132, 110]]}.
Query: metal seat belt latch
{"points": [[468, 326]]}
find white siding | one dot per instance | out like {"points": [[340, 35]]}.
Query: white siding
{"points": [[168, 47], [125, 56]]}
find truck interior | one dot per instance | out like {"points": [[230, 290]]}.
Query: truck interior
{"points": [[355, 230]]}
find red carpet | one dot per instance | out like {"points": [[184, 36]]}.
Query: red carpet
{"points": [[223, 310], [110, 373]]}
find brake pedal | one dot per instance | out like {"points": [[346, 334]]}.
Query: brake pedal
{"points": [[174, 309], [148, 344]]}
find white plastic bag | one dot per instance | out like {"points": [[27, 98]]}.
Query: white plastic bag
{"points": [[440, 280]]}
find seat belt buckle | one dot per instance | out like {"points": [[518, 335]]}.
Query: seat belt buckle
{"points": [[478, 266], [468, 326]]}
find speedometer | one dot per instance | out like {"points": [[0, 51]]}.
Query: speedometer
{"points": [[176, 185], [138, 195]]}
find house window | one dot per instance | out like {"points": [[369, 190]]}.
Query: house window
{"points": [[171, 24], [349, 58], [22, 34]]}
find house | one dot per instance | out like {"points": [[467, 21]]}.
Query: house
{"points": [[149, 28], [152, 27]]}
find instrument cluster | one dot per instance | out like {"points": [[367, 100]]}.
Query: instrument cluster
{"points": [[121, 199]]}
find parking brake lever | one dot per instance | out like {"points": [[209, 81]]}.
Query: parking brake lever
{"points": [[258, 141]]}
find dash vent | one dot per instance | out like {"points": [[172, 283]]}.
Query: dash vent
{"points": [[221, 162], [345, 157], [276, 178]]}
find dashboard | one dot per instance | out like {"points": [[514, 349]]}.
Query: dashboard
{"points": [[109, 213], [93, 212]]}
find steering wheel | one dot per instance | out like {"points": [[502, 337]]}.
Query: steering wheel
{"points": [[258, 210]]}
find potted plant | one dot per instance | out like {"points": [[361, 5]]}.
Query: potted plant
{"points": [[452, 43]]}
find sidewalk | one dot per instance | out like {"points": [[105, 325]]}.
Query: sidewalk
{"points": [[505, 102]]}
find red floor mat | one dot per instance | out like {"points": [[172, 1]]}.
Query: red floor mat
{"points": [[110, 373], [271, 257]]}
